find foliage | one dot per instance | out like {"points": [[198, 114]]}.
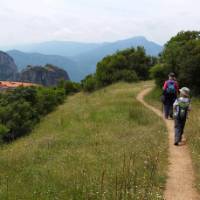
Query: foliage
{"points": [[3, 130], [193, 137], [89, 84], [182, 56], [128, 65], [23, 107], [48, 98], [70, 87], [159, 73]]}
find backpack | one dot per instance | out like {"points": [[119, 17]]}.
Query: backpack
{"points": [[171, 89], [182, 110]]}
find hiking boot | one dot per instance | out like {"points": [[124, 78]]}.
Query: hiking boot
{"points": [[176, 143]]}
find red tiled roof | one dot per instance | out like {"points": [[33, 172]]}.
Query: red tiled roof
{"points": [[10, 84]]}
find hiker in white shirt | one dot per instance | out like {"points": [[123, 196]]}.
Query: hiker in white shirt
{"points": [[181, 108]]}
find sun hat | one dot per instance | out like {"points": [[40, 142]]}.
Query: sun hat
{"points": [[171, 74], [185, 91]]}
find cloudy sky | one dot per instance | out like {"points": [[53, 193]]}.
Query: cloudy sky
{"points": [[28, 21]]}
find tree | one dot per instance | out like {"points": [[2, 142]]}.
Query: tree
{"points": [[182, 56], [127, 65], [89, 83]]}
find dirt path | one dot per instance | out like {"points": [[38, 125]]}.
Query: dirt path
{"points": [[180, 182]]}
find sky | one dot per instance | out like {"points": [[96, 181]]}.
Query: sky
{"points": [[31, 21]]}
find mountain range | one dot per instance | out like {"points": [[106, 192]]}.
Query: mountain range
{"points": [[78, 59], [22, 60]]}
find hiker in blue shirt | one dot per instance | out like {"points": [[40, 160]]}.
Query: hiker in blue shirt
{"points": [[170, 91], [181, 108]]}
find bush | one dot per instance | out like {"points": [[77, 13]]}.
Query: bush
{"points": [[48, 98], [89, 84], [21, 119], [69, 86], [159, 73], [182, 56], [23, 107], [129, 65], [129, 76], [3, 131]]}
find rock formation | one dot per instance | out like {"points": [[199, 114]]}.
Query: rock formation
{"points": [[48, 75], [8, 68]]}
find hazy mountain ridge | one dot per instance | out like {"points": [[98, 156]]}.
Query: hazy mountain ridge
{"points": [[91, 58], [24, 59], [62, 48], [78, 59]]}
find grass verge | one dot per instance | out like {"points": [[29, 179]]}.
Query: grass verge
{"points": [[193, 137], [105, 145]]}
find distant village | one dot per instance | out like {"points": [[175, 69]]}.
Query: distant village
{"points": [[5, 85]]}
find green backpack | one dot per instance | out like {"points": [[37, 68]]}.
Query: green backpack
{"points": [[183, 110]]}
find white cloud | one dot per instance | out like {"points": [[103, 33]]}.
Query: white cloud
{"points": [[26, 21]]}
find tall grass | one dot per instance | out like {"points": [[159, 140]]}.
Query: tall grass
{"points": [[193, 136], [100, 146], [154, 98]]}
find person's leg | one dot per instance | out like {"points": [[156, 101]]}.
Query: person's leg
{"points": [[182, 125], [171, 111], [177, 131], [166, 109], [172, 100]]}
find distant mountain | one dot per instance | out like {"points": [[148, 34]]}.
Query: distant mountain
{"points": [[89, 59], [8, 68], [78, 59], [24, 59], [62, 48], [48, 75]]}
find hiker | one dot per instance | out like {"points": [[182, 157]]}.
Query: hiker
{"points": [[170, 91], [181, 108]]}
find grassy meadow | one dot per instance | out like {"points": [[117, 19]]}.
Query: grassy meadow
{"points": [[103, 145], [193, 136], [192, 129]]}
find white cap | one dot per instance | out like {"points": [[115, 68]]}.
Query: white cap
{"points": [[185, 91]]}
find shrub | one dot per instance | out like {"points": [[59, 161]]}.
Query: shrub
{"points": [[129, 76], [89, 84], [22, 108], [182, 56], [3, 131], [21, 119], [69, 86], [158, 73], [48, 98], [129, 65]]}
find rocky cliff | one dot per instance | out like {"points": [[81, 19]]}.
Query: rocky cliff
{"points": [[8, 68], [48, 75]]}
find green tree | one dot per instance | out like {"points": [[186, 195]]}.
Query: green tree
{"points": [[127, 65], [89, 83], [182, 56]]}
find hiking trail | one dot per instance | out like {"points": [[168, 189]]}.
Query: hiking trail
{"points": [[181, 179]]}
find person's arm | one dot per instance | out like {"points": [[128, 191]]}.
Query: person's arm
{"points": [[177, 87], [165, 85], [189, 109], [175, 105]]}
